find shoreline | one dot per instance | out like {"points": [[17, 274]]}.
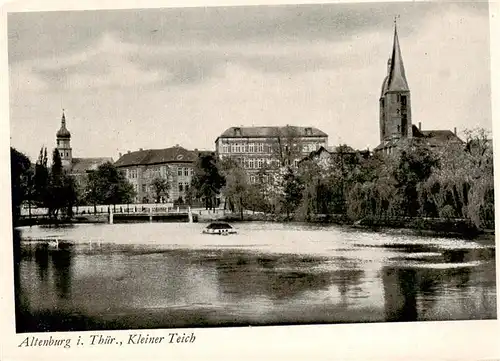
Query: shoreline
{"points": [[416, 226]]}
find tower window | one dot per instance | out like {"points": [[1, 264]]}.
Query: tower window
{"points": [[403, 99]]}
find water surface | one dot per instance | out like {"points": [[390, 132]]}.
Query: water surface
{"points": [[150, 275]]}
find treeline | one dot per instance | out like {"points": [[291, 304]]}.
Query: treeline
{"points": [[454, 182], [52, 187]]}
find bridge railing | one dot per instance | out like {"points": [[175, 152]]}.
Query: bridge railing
{"points": [[117, 208]]}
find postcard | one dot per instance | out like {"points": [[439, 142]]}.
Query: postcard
{"points": [[249, 181]]}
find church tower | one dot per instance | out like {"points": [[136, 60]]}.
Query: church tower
{"points": [[63, 137], [395, 105]]}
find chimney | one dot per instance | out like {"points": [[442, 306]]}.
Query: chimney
{"points": [[420, 126], [119, 155], [140, 149], [128, 151], [455, 130]]}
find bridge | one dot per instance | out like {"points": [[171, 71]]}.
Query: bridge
{"points": [[115, 214]]}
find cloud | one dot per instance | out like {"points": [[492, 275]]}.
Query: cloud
{"points": [[190, 80], [55, 34]]}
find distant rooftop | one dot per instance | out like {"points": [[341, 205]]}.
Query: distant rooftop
{"points": [[269, 132], [156, 156], [83, 165]]}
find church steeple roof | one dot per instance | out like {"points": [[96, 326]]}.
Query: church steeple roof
{"points": [[397, 77], [63, 132]]}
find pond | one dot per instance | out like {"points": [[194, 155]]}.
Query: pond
{"points": [[167, 275]]}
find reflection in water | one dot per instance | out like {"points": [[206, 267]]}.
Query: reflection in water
{"points": [[42, 261], [424, 292], [83, 285], [400, 287], [61, 261]]}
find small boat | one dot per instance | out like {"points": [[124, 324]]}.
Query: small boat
{"points": [[221, 228]]}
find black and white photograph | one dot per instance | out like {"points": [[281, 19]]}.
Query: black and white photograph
{"points": [[206, 167]]}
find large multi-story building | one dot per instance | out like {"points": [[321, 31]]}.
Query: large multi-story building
{"points": [[142, 167], [256, 147], [395, 118], [76, 167]]}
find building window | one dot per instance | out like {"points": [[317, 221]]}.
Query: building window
{"points": [[260, 162], [224, 148], [180, 187], [251, 148], [296, 162], [144, 188], [261, 148], [251, 163], [252, 179], [232, 148], [179, 171], [186, 172], [186, 186], [245, 164]]}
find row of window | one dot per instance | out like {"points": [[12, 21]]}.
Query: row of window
{"points": [[181, 187], [262, 148], [252, 163], [254, 179], [184, 171], [246, 148], [158, 172]]}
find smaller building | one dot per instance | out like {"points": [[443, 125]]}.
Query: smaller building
{"points": [[326, 157], [257, 147], [434, 139], [175, 165]]}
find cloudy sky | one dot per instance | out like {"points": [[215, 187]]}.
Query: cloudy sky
{"points": [[154, 78]]}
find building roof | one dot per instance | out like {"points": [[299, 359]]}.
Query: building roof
{"points": [[270, 132], [83, 165], [333, 151], [63, 132], [433, 138], [156, 156], [437, 137], [397, 77]]}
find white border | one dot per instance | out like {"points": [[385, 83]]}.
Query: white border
{"points": [[454, 340]]}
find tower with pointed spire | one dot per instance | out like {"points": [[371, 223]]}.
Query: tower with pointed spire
{"points": [[395, 104], [63, 138]]}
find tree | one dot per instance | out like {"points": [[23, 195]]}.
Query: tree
{"points": [[20, 166], [160, 188], [41, 179], [287, 146], [236, 188], [292, 189], [61, 189], [207, 179], [415, 166], [107, 185], [55, 200]]}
